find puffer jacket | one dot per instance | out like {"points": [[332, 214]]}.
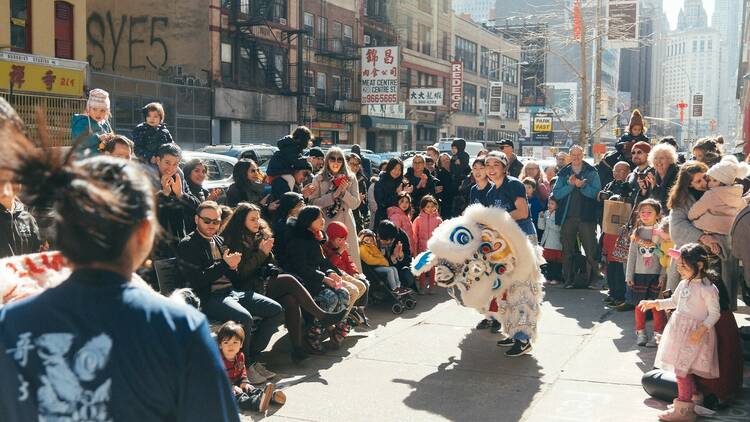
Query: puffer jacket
{"points": [[340, 259], [148, 139], [716, 210], [282, 160], [402, 220], [81, 125], [423, 227], [372, 256]]}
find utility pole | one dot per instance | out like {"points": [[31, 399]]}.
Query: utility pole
{"points": [[583, 136], [598, 71]]}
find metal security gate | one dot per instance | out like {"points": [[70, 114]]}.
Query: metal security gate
{"points": [[262, 133], [57, 112]]}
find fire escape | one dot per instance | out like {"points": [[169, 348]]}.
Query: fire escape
{"points": [[262, 40]]}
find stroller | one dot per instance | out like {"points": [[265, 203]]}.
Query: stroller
{"points": [[379, 292]]}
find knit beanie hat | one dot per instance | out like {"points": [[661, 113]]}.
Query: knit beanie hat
{"points": [[636, 119], [497, 155], [728, 170], [301, 164], [643, 146], [336, 230], [98, 98]]}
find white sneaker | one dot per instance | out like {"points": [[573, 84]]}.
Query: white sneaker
{"points": [[263, 371], [254, 376]]}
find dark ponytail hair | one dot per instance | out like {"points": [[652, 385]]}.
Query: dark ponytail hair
{"points": [[99, 201], [307, 215], [694, 253]]}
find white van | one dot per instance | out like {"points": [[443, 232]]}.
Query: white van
{"points": [[472, 148]]}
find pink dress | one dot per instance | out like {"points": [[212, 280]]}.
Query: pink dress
{"points": [[403, 222], [696, 303]]}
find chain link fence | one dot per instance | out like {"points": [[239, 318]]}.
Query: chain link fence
{"points": [[56, 109]]}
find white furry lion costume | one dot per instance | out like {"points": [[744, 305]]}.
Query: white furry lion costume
{"points": [[484, 255]]}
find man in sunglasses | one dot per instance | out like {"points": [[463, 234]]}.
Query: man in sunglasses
{"points": [[210, 269], [641, 179]]}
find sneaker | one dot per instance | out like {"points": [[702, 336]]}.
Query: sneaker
{"points": [[265, 398], [263, 371], [615, 303], [254, 376], [508, 342], [652, 343], [641, 338], [520, 348], [609, 299], [495, 327], [484, 324]]}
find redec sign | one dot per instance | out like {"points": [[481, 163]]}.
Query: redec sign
{"points": [[457, 84]]}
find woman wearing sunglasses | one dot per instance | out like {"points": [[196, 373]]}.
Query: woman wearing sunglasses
{"points": [[248, 184], [337, 194]]}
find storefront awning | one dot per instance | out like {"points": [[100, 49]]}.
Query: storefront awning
{"points": [[384, 123]]}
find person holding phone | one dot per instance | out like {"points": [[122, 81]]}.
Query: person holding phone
{"points": [[642, 177]]}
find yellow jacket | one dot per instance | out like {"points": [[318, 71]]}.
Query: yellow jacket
{"points": [[372, 256]]}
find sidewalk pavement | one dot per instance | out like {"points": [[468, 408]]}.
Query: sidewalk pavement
{"points": [[430, 364]]}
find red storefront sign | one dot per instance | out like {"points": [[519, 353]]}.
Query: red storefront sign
{"points": [[457, 84]]}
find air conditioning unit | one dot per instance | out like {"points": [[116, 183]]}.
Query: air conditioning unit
{"points": [[282, 21], [367, 40], [338, 105], [311, 91]]}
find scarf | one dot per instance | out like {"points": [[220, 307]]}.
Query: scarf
{"points": [[337, 206]]}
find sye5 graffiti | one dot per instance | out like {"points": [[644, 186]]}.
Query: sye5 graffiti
{"points": [[138, 35]]}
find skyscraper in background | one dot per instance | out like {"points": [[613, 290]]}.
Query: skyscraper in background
{"points": [[481, 11], [727, 21]]}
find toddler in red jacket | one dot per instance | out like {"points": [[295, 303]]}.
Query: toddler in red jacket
{"points": [[335, 250], [426, 223]]}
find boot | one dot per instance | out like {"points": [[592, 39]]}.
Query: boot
{"points": [[681, 412]]}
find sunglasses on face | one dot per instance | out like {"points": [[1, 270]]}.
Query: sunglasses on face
{"points": [[336, 159], [210, 221]]}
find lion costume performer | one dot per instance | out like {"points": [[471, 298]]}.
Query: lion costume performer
{"points": [[483, 255]]}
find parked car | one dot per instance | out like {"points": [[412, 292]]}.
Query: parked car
{"points": [[263, 151], [219, 168]]}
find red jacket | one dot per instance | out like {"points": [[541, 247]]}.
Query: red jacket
{"points": [[423, 226], [236, 370], [342, 260]]}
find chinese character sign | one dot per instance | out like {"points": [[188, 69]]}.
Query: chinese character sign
{"points": [[379, 75], [426, 96], [457, 84]]}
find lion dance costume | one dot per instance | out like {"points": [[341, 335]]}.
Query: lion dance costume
{"points": [[483, 257]]}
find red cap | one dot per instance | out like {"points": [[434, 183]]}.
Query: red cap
{"points": [[337, 229]]}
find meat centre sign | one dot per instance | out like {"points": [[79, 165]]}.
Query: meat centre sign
{"points": [[457, 84], [379, 75]]}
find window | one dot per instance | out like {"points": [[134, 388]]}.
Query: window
{"points": [[336, 87], [63, 30], [346, 88], [703, 45], [469, 100], [709, 45], [426, 80], [510, 71], [337, 35], [348, 37], [20, 25], [695, 46], [445, 49], [226, 52], [425, 39], [482, 100], [494, 66], [309, 80], [309, 24], [409, 25], [484, 67], [425, 6], [510, 102], [322, 33], [466, 51], [321, 87], [446, 6]]}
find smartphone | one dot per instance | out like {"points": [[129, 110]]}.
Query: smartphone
{"points": [[266, 190]]}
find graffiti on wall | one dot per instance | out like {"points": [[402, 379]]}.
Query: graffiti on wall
{"points": [[133, 36]]}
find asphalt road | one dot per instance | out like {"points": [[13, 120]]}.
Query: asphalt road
{"points": [[430, 364]]}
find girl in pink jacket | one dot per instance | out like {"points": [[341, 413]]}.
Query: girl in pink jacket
{"points": [[426, 223], [717, 208], [400, 215]]}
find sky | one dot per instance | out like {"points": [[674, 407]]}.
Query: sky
{"points": [[672, 9]]}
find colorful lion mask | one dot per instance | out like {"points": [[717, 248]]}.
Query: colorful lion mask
{"points": [[484, 255]]}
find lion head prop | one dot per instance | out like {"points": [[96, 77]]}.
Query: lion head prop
{"points": [[484, 255]]}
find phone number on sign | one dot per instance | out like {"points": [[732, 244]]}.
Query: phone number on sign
{"points": [[380, 99]]}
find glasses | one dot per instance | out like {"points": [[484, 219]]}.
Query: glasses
{"points": [[336, 159], [210, 221]]}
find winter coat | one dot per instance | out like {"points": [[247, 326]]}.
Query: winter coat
{"points": [[372, 205], [716, 210], [623, 189], [385, 195], [19, 233], [197, 190], [542, 191], [449, 191], [172, 213], [423, 227], [402, 220], [663, 187], [372, 256], [81, 125], [589, 192], [405, 262], [606, 165], [283, 184], [304, 258], [147, 140], [341, 260], [323, 197], [282, 160], [551, 237], [197, 265], [514, 166], [460, 167], [282, 230], [250, 192], [419, 193]]}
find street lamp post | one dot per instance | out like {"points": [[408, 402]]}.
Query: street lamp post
{"points": [[690, 99], [489, 90]]}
